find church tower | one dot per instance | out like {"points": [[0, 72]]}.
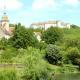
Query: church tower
{"points": [[5, 22], [5, 31]]}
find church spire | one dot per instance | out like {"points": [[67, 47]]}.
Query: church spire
{"points": [[4, 17], [4, 7]]}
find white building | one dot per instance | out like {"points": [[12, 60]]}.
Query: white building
{"points": [[38, 36], [46, 25]]}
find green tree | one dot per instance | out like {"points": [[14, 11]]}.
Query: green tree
{"points": [[51, 35], [74, 26], [23, 37], [52, 54]]}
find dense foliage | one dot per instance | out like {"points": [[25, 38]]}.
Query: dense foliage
{"points": [[35, 67], [8, 74], [73, 54], [52, 54], [74, 26], [51, 35], [58, 52], [22, 37]]}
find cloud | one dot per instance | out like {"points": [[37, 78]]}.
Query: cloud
{"points": [[10, 4], [42, 4], [72, 2]]}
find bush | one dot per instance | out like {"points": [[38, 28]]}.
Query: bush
{"points": [[41, 45], [78, 62], [7, 55], [72, 55], [3, 44], [52, 54], [35, 66], [73, 43], [8, 75]]}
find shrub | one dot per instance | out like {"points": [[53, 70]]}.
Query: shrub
{"points": [[8, 75], [3, 44], [72, 55], [41, 45], [73, 43], [35, 66], [78, 62], [52, 54], [7, 55]]}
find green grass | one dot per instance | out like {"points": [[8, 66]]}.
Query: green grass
{"points": [[71, 33]]}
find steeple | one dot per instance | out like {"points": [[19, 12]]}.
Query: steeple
{"points": [[4, 23], [4, 7], [5, 20], [4, 17]]}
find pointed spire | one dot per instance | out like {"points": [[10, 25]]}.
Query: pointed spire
{"points": [[4, 7], [4, 13]]}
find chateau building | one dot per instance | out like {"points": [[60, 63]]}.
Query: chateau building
{"points": [[46, 25], [5, 30]]}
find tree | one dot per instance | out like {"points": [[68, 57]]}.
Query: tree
{"points": [[52, 54], [74, 26], [22, 37], [51, 35]]}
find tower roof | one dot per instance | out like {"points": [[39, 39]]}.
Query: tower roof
{"points": [[5, 17]]}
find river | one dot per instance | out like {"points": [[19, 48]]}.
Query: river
{"points": [[75, 76]]}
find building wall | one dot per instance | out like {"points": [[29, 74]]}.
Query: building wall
{"points": [[48, 25]]}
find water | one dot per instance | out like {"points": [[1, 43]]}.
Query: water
{"points": [[67, 76]]}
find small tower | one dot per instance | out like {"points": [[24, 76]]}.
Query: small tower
{"points": [[5, 22]]}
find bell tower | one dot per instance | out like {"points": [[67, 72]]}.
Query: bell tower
{"points": [[5, 20]]}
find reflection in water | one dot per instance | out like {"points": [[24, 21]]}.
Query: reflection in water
{"points": [[67, 77]]}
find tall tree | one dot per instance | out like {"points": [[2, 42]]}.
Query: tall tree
{"points": [[23, 37], [51, 35]]}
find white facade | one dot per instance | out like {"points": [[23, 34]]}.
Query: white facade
{"points": [[46, 25]]}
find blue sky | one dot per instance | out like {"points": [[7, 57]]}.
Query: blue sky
{"points": [[31, 11]]}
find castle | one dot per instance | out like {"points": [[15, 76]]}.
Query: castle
{"points": [[48, 24], [5, 30]]}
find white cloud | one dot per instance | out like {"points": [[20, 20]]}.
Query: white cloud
{"points": [[72, 2], [42, 4], [10, 4]]}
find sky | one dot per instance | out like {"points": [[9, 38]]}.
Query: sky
{"points": [[30, 11]]}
